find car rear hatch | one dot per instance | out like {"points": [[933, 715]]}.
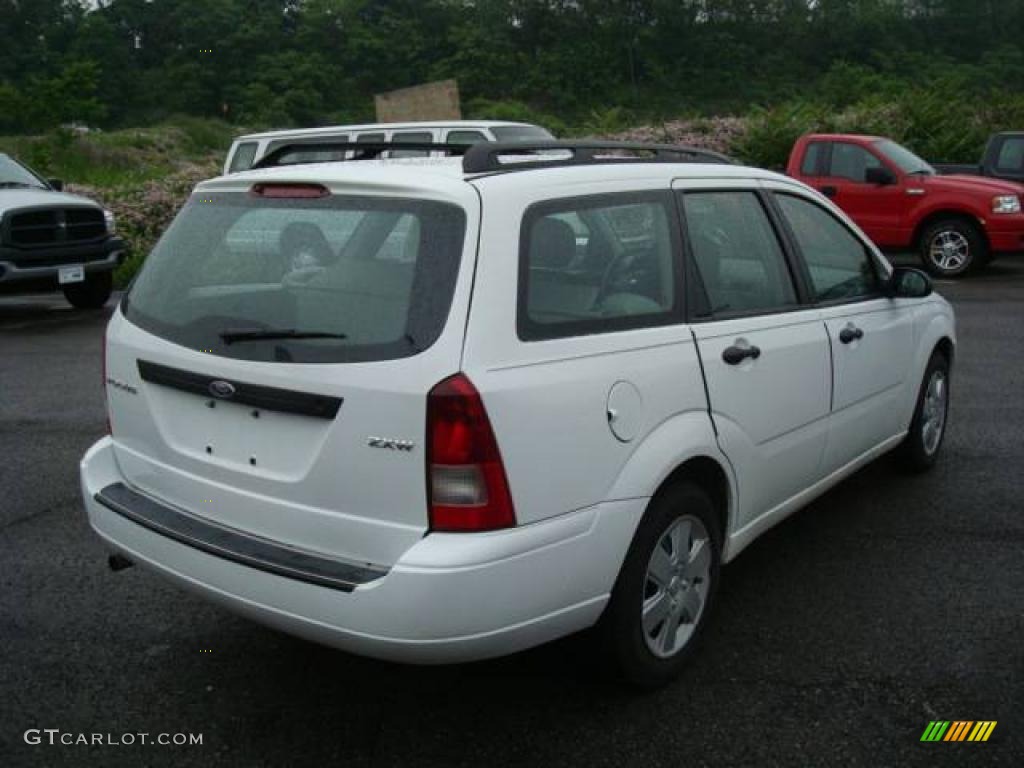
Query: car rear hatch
{"points": [[269, 369]]}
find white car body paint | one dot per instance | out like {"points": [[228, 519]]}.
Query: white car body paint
{"points": [[783, 429]]}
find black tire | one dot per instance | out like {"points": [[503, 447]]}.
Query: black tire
{"points": [[920, 449], [624, 634], [91, 293], [970, 251]]}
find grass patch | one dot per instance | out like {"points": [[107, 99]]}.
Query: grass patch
{"points": [[122, 158]]}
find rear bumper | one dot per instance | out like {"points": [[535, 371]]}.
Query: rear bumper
{"points": [[448, 598], [18, 265]]}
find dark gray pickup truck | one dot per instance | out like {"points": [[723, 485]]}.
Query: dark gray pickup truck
{"points": [[1003, 159], [50, 240]]}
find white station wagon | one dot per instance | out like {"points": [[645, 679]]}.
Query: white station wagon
{"points": [[434, 410]]}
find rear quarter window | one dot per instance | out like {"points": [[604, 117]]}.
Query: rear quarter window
{"points": [[243, 157], [598, 264]]}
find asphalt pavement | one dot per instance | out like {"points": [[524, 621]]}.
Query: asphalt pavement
{"points": [[892, 601]]}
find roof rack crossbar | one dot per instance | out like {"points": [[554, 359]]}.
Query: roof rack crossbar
{"points": [[485, 157], [361, 150]]}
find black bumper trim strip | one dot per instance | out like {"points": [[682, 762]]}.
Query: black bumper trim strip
{"points": [[234, 545], [268, 398]]}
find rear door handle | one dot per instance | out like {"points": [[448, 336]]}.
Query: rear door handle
{"points": [[850, 334], [829, 191], [735, 355]]}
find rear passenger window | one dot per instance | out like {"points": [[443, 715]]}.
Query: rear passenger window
{"points": [[840, 265], [811, 159], [598, 264], [737, 253]]}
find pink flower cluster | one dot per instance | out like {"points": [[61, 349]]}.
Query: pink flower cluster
{"points": [[714, 133]]}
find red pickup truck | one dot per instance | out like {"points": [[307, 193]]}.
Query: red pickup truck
{"points": [[957, 223]]}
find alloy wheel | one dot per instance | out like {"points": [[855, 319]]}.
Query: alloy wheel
{"points": [[949, 250], [676, 586], [933, 412]]}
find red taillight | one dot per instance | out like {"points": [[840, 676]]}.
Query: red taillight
{"points": [[466, 485], [290, 191]]}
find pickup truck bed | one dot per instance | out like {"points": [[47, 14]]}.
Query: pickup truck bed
{"points": [[1003, 159]]}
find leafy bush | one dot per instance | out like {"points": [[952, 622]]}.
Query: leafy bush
{"points": [[607, 120], [770, 133], [203, 135], [144, 210], [941, 124]]}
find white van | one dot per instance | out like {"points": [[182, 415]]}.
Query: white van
{"points": [[247, 150]]}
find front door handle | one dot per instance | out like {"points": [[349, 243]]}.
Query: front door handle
{"points": [[829, 191], [735, 355], [850, 334]]}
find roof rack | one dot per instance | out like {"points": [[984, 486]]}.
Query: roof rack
{"points": [[362, 150], [485, 157]]}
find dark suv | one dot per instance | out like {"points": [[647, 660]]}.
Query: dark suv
{"points": [[50, 239]]}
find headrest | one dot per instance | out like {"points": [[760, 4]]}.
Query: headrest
{"points": [[552, 244]]}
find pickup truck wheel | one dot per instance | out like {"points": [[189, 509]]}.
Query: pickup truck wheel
{"points": [[953, 247], [91, 293], [920, 448], [666, 587]]}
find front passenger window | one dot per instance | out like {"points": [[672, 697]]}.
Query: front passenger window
{"points": [[852, 162], [737, 253], [840, 265]]}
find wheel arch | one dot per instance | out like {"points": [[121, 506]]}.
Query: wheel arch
{"points": [[940, 214], [683, 448], [945, 346], [710, 476], [937, 332]]}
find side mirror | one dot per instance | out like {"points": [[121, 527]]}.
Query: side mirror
{"points": [[57, 184], [882, 177], [909, 283]]}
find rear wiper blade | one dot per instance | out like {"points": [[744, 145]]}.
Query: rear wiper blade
{"points": [[260, 334], [18, 184]]}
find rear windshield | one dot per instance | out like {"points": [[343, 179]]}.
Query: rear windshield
{"points": [[236, 275]]}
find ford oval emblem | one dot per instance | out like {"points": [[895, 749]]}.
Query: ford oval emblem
{"points": [[222, 389]]}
